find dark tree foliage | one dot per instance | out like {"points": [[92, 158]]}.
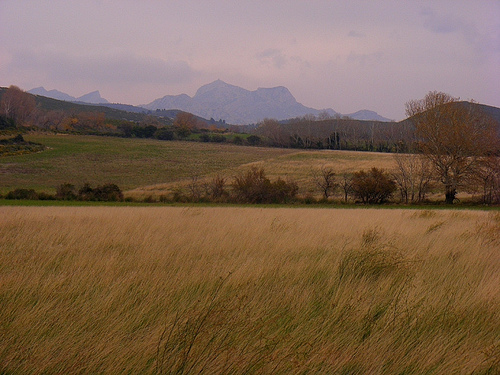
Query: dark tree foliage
{"points": [[66, 192], [253, 140], [107, 192], [254, 187], [372, 187], [164, 134], [6, 123], [218, 138], [29, 194]]}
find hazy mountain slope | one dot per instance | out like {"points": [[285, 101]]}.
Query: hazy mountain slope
{"points": [[367, 115], [93, 97], [236, 105], [54, 94]]}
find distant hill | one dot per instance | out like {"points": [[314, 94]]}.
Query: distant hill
{"points": [[117, 113], [368, 116], [493, 112], [93, 97], [236, 105]]}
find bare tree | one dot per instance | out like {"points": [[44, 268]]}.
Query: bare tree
{"points": [[184, 123], [17, 104], [346, 186], [487, 180], [413, 177], [273, 130], [455, 136], [195, 188], [325, 181], [216, 188]]}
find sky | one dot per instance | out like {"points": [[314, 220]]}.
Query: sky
{"points": [[344, 55]]}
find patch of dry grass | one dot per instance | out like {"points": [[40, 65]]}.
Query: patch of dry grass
{"points": [[298, 166], [248, 290]]}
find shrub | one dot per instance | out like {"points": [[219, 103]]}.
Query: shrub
{"points": [[218, 138], [372, 187], [253, 140], [164, 134], [215, 189], [108, 192], [42, 196], [255, 187], [86, 193], [237, 140], [204, 137], [283, 191], [66, 192], [6, 123], [29, 194]]}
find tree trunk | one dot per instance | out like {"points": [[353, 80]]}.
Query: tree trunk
{"points": [[451, 192]]}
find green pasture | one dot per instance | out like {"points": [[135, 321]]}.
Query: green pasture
{"points": [[129, 163]]}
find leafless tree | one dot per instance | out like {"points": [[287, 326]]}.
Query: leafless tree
{"points": [[346, 186], [325, 181], [17, 104], [455, 136], [413, 177]]}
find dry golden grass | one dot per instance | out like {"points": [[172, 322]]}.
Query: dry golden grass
{"points": [[248, 290], [296, 165]]}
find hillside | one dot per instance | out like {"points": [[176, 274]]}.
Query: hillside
{"points": [[110, 111], [93, 97]]}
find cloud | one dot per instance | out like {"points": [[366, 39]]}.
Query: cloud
{"points": [[273, 57], [365, 59], [355, 34], [441, 24], [103, 69]]}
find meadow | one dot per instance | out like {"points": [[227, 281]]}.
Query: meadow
{"points": [[232, 290], [143, 167]]}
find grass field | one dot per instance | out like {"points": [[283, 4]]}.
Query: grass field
{"points": [[150, 167], [165, 290]]}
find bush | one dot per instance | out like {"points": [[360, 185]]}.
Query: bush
{"points": [[45, 196], [66, 192], [255, 187], [6, 123], [218, 138], [108, 193], [204, 137], [253, 140], [164, 134], [29, 194], [86, 193], [372, 187], [237, 140], [216, 188]]}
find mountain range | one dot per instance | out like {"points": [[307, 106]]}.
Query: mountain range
{"points": [[236, 105], [220, 100], [93, 97]]}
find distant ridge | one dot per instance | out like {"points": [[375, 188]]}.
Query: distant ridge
{"points": [[236, 105], [222, 101], [93, 97]]}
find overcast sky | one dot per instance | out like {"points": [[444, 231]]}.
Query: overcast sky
{"points": [[346, 55]]}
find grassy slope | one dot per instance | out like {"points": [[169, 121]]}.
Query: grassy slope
{"points": [[130, 290], [130, 163], [139, 164]]}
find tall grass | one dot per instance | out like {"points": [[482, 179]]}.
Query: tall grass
{"points": [[168, 290]]}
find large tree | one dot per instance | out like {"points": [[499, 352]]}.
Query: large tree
{"points": [[17, 105], [455, 136]]}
